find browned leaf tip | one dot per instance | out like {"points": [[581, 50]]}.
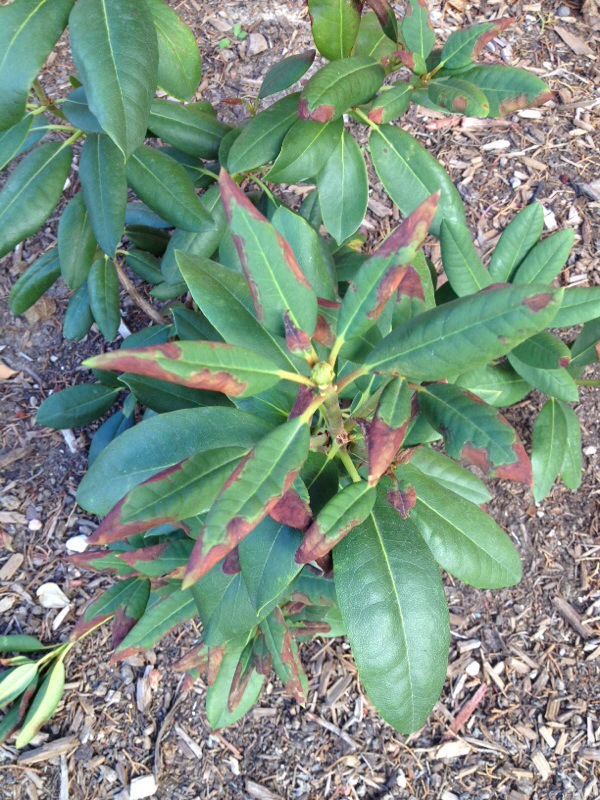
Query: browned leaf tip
{"points": [[143, 554], [297, 340], [488, 36], [413, 230], [512, 104], [239, 684], [381, 9], [289, 657], [383, 444], [197, 658], [402, 500], [292, 510], [121, 626], [304, 398], [316, 544], [322, 113]]}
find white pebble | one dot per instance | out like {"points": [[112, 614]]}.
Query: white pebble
{"points": [[143, 786], [35, 525]]}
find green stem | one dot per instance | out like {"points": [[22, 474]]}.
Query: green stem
{"points": [[77, 135], [365, 119], [346, 460], [333, 415], [58, 128], [296, 378], [264, 187], [358, 373]]}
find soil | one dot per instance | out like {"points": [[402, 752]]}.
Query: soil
{"points": [[524, 667]]}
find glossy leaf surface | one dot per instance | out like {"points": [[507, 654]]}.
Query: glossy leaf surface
{"points": [[76, 406], [516, 241], [390, 594], [115, 50], [31, 192], [335, 25], [464, 540], [339, 85], [409, 175], [285, 73], [548, 447], [179, 65]]}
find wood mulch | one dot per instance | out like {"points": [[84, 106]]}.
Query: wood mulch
{"points": [[520, 714]]}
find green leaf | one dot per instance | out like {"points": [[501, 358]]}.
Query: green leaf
{"points": [[284, 656], [416, 29], [196, 168], [343, 189], [44, 703], [109, 601], [410, 174], [465, 333], [179, 64], [351, 506], [161, 396], [580, 304], [285, 73], [163, 441], [218, 712], [339, 85], [191, 325], [147, 266], [305, 150], [498, 384], [31, 192], [77, 112], [162, 559], [371, 40], [215, 366], [516, 241], [29, 29], [321, 478], [267, 563], [391, 104], [35, 281], [546, 259], [104, 187], [585, 348], [388, 427], [188, 489], [19, 643], [383, 272], [165, 186], [78, 316], [256, 485], [115, 51], [261, 137], [475, 432], [450, 475], [548, 447], [570, 472], [131, 609], [275, 279], [508, 89], [76, 406], [187, 128], [224, 606], [541, 360], [103, 289], [335, 25], [12, 139], [393, 606], [465, 45], [462, 265], [464, 540], [15, 681], [306, 247], [76, 243], [459, 96], [159, 618]]}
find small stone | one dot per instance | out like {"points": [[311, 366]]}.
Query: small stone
{"points": [[256, 44], [35, 525], [77, 544], [143, 786], [563, 11], [590, 450], [473, 668]]}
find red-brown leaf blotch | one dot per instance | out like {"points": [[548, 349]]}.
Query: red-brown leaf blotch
{"points": [[383, 443], [292, 510], [402, 500]]}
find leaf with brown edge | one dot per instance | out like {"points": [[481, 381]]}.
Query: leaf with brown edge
{"points": [[402, 499], [103, 607], [475, 431], [464, 46], [388, 427], [459, 96], [382, 10], [391, 104], [285, 658], [249, 494], [130, 611], [113, 529], [197, 658], [292, 510], [379, 277], [216, 366], [508, 89], [158, 560], [241, 678], [276, 281], [99, 561], [297, 341], [351, 506], [463, 539], [186, 491], [416, 28], [338, 86], [262, 656]]}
